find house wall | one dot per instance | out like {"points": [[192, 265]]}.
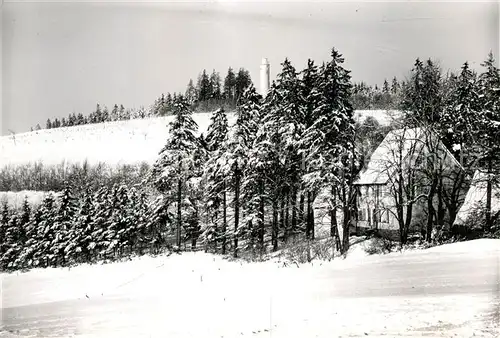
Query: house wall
{"points": [[375, 208]]}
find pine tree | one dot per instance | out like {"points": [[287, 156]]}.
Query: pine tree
{"points": [[330, 141], [13, 242], [242, 83], [191, 94], [489, 134], [82, 231], [215, 189], [48, 125], [30, 252], [395, 87], [215, 84], [230, 86], [176, 163], [423, 95], [203, 87], [385, 87], [235, 158], [4, 223], [277, 151], [64, 245]]}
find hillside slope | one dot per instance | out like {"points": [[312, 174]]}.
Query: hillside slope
{"points": [[120, 142]]}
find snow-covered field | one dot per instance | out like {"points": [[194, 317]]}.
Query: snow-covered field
{"points": [[114, 143], [16, 199], [445, 291], [120, 142]]}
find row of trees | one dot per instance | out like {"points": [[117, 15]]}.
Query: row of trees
{"points": [[99, 115], [104, 224], [268, 171], [40, 177], [386, 97], [209, 92]]}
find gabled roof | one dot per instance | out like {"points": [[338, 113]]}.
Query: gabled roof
{"points": [[398, 144], [476, 197]]}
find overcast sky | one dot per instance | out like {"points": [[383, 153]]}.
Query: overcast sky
{"points": [[65, 57]]}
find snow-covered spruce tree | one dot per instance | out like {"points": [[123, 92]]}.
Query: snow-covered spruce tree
{"points": [[235, 158], [47, 232], [215, 181], [27, 231], [274, 162], [459, 126], [30, 257], [175, 164], [138, 207], [64, 221], [312, 100], [489, 133], [330, 161], [159, 223], [112, 223], [81, 233], [4, 222], [101, 211], [14, 240], [422, 99]]}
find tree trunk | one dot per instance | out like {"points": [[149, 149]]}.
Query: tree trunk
{"points": [[287, 218], [489, 189], [441, 209], [282, 214], [261, 215], [224, 217], [274, 236], [236, 209], [301, 209], [294, 210], [179, 217], [333, 213], [430, 209], [310, 216]]}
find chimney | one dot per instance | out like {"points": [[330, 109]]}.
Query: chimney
{"points": [[264, 77]]}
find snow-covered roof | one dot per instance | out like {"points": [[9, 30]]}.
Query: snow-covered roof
{"points": [[404, 143], [384, 159], [476, 197]]}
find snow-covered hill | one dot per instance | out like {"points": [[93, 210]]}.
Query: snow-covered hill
{"points": [[114, 143], [120, 142]]}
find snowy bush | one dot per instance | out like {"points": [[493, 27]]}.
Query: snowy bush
{"points": [[380, 245], [308, 251]]}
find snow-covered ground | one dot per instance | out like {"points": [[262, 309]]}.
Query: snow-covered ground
{"points": [[452, 290], [113, 143]]}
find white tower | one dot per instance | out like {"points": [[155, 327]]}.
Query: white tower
{"points": [[264, 77]]}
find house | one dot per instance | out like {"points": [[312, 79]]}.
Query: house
{"points": [[399, 171], [476, 198]]}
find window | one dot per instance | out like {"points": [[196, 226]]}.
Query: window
{"points": [[361, 215], [384, 216]]}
